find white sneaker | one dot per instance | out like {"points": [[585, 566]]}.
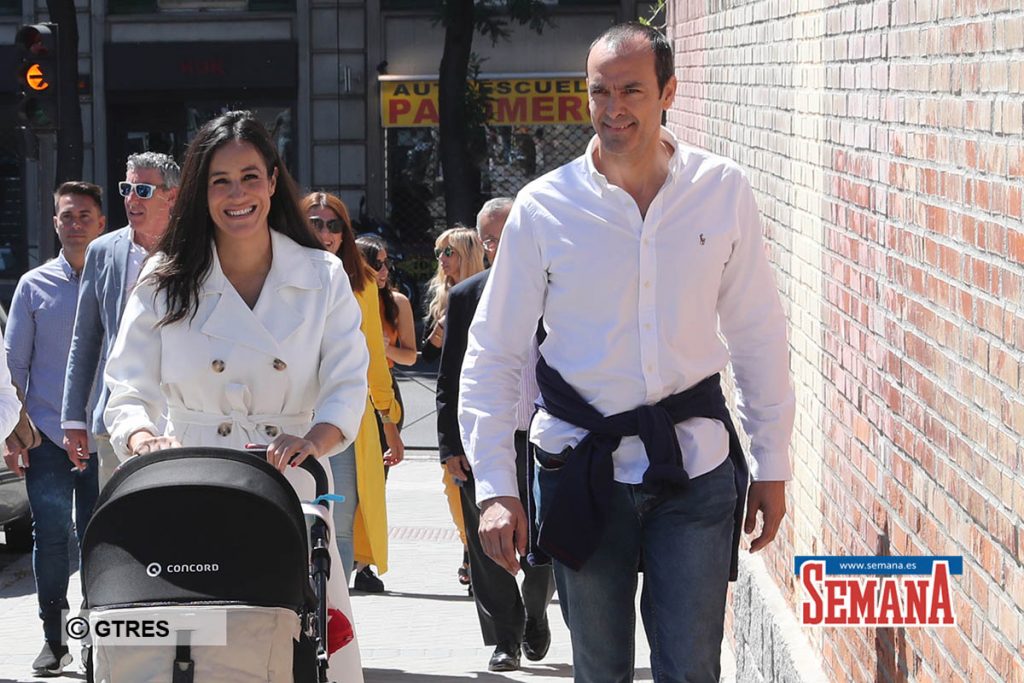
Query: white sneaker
{"points": [[51, 662]]}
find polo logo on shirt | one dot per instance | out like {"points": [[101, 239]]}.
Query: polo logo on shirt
{"points": [[702, 240]]}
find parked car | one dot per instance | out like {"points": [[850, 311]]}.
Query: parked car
{"points": [[15, 516]]}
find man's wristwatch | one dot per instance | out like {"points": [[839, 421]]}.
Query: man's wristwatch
{"points": [[385, 418]]}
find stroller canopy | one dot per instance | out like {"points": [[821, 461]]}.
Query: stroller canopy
{"points": [[196, 525]]}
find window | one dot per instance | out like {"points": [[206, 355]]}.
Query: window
{"points": [[156, 6]]}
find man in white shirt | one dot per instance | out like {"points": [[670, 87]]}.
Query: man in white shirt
{"points": [[112, 266], [636, 255]]}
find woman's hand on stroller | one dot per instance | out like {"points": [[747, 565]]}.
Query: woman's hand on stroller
{"points": [[144, 441], [288, 448]]}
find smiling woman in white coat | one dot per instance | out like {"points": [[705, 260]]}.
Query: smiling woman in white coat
{"points": [[242, 328]]}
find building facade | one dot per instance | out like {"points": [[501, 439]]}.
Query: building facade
{"points": [[153, 71]]}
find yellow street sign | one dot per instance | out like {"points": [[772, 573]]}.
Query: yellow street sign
{"points": [[35, 78]]}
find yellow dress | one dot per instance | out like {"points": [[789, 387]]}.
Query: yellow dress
{"points": [[370, 527]]}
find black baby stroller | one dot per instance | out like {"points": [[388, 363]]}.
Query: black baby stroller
{"points": [[211, 537]]}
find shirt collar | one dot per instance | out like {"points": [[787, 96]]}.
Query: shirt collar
{"points": [[290, 267], [132, 244], [66, 267], [601, 182]]}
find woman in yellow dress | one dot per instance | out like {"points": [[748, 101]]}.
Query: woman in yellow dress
{"points": [[361, 520]]}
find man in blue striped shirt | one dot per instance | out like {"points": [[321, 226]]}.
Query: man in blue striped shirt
{"points": [[38, 341]]}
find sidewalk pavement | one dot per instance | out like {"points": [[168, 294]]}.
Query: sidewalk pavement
{"points": [[423, 629]]}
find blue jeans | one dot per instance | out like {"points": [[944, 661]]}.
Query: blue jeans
{"points": [[684, 543], [52, 489], [343, 470]]}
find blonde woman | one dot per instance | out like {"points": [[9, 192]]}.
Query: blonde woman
{"points": [[361, 520], [460, 255]]}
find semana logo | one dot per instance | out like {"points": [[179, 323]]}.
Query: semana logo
{"points": [[877, 591], [155, 569]]}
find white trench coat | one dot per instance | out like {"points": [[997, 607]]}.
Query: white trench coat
{"points": [[234, 375]]}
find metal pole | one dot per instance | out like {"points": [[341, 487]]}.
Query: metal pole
{"points": [[46, 174]]}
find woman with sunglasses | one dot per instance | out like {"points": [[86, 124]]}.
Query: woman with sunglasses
{"points": [[397, 320], [395, 308], [359, 471], [460, 255], [395, 315], [242, 329]]}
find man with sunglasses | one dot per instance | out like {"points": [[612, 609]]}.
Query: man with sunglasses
{"points": [[112, 266]]}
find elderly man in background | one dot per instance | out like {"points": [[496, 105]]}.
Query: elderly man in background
{"points": [[508, 620], [112, 266]]}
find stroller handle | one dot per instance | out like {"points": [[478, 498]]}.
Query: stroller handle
{"points": [[311, 465]]}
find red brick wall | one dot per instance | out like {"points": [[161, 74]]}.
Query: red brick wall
{"points": [[884, 140]]}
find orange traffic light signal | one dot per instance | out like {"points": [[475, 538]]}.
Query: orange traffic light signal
{"points": [[39, 76], [35, 78]]}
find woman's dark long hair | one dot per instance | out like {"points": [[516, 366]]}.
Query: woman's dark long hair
{"points": [[187, 244], [359, 273], [371, 246]]}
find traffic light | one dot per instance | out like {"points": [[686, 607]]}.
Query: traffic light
{"points": [[39, 76]]}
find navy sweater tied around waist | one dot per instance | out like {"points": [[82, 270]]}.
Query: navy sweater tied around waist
{"points": [[574, 517]]}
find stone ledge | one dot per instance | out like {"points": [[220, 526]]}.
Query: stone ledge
{"points": [[770, 643]]}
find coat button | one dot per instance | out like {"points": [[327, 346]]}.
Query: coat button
{"points": [[224, 429], [279, 364], [217, 365], [271, 430]]}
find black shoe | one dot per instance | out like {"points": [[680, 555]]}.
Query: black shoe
{"points": [[51, 660], [368, 582], [505, 658], [536, 638]]}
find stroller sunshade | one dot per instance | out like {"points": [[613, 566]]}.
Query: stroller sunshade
{"points": [[197, 525]]}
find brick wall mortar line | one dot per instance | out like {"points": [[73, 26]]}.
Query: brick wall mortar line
{"points": [[962, 323]]}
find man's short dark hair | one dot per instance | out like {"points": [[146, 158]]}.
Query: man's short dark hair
{"points": [[79, 187], [620, 34]]}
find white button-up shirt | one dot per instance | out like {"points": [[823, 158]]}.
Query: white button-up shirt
{"points": [[137, 255], [633, 306]]}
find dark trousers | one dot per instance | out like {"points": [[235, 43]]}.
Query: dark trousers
{"points": [[501, 608]]}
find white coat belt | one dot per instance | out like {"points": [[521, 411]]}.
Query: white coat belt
{"points": [[255, 426]]}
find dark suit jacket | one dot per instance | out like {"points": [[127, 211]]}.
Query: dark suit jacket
{"points": [[462, 302]]}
